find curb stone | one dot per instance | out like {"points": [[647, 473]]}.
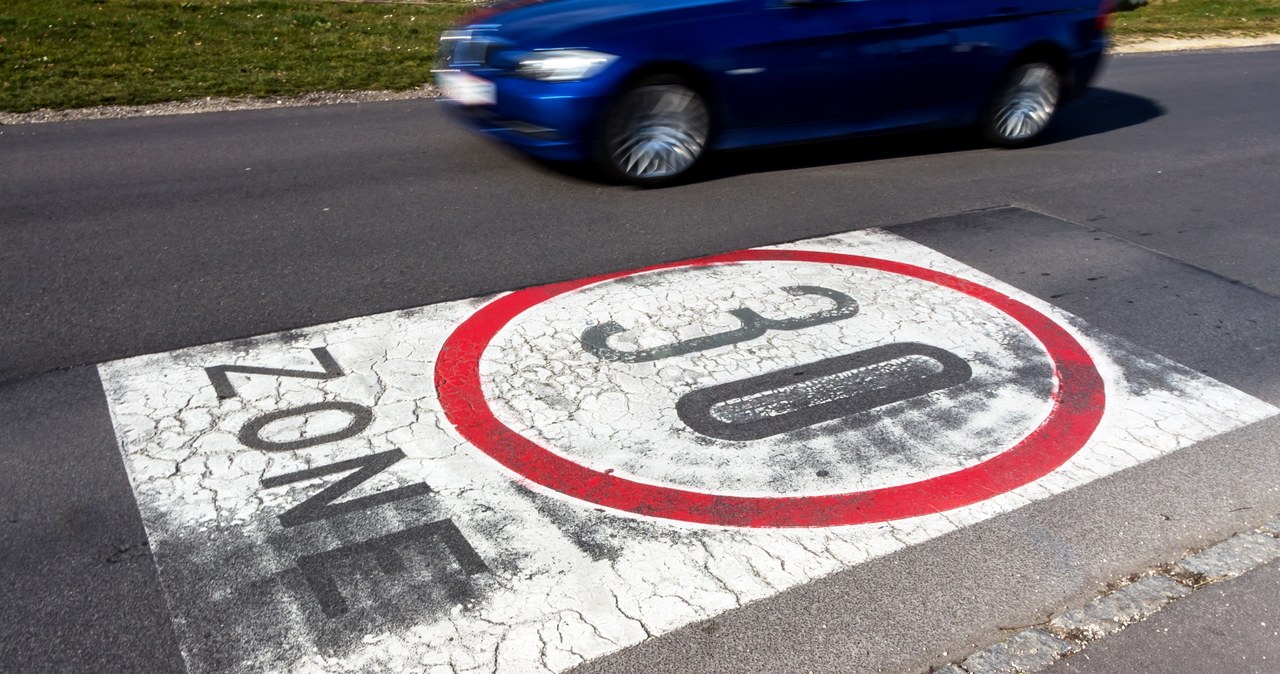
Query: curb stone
{"points": [[1169, 44], [1030, 650], [1232, 557], [1036, 648], [217, 104]]}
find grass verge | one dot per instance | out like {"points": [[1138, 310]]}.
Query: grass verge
{"points": [[77, 53], [1199, 18], [60, 54]]}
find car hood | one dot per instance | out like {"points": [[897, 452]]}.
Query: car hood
{"points": [[533, 22]]}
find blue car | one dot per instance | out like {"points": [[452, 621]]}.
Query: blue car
{"points": [[645, 88]]}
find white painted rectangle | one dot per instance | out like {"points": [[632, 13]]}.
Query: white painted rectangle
{"points": [[259, 582]]}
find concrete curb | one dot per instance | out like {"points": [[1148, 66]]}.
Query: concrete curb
{"points": [[216, 104], [1036, 648], [1167, 44]]}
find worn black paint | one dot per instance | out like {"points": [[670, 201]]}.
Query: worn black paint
{"points": [[694, 408], [321, 505], [251, 433], [222, 383], [595, 339], [319, 569]]}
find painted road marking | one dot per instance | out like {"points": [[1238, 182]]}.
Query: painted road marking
{"points": [[624, 452], [525, 482]]}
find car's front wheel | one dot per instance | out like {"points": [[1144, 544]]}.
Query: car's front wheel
{"points": [[1023, 105], [655, 132]]}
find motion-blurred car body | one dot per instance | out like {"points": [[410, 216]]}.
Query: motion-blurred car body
{"points": [[646, 87]]}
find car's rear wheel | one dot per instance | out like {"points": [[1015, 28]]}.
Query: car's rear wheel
{"points": [[655, 132], [1023, 105]]}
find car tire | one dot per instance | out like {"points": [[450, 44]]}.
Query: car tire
{"points": [[655, 132], [1023, 105]]}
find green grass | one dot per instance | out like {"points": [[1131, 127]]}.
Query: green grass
{"points": [[1196, 18], [77, 53]]}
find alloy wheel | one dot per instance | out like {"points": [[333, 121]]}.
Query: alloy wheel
{"points": [[1025, 105], [657, 132]]}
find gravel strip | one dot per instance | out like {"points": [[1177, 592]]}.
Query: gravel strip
{"points": [[217, 104], [1159, 44], [1036, 648]]}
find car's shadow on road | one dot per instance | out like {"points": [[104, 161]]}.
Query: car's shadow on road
{"points": [[1098, 111], [1101, 111]]}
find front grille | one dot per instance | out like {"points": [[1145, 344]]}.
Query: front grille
{"points": [[470, 52]]}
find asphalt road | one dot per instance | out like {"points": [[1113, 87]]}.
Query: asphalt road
{"points": [[1149, 212]]}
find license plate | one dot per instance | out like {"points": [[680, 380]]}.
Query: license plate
{"points": [[466, 88]]}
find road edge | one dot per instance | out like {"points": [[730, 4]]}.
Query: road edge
{"points": [[216, 104], [1035, 648], [1172, 44], [425, 91]]}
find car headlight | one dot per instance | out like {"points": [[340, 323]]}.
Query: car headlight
{"points": [[563, 65]]}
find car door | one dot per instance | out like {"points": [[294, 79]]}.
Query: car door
{"points": [[957, 58], [929, 72], [813, 62]]}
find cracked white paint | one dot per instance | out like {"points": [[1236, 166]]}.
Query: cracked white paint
{"points": [[568, 581], [622, 416]]}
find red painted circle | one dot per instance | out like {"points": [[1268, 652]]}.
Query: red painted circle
{"points": [[1078, 401]]}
